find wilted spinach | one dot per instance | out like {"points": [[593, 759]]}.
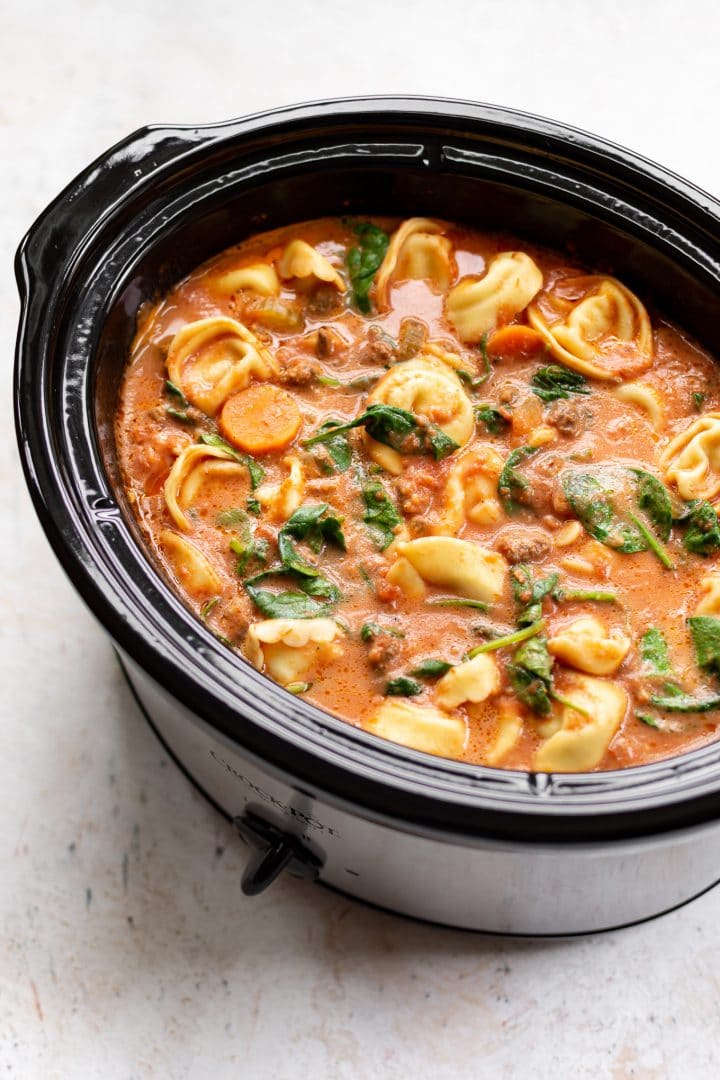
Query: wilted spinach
{"points": [[553, 382], [254, 468], [594, 504], [511, 481], [381, 515], [364, 261]]}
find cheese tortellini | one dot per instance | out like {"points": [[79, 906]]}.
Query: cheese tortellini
{"points": [[192, 568], [260, 278], [585, 644], [421, 727], [691, 460], [191, 469], [465, 568], [428, 388], [303, 263], [474, 681], [417, 250], [647, 399], [471, 491], [709, 601], [288, 648], [281, 500], [582, 738], [213, 358], [477, 305], [595, 325]]}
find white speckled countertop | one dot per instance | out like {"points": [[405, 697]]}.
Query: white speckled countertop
{"points": [[126, 948]]}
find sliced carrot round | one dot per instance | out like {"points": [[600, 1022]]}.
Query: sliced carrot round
{"points": [[515, 341], [260, 419]]}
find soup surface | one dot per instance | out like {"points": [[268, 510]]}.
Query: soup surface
{"points": [[453, 488]]}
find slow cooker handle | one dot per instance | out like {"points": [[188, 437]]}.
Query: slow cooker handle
{"points": [[274, 852]]}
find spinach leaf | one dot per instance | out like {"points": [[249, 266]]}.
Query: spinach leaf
{"points": [[402, 687], [254, 506], [432, 668], [458, 601], [592, 505], [337, 445], [230, 519], [654, 653], [705, 634], [392, 426], [177, 393], [316, 527], [698, 400], [529, 593], [553, 382], [364, 261], [474, 381], [533, 655], [370, 630], [292, 605], [595, 502], [511, 481], [508, 639], [381, 515], [254, 468], [530, 676], [702, 536], [208, 607], [440, 443], [654, 500], [248, 550], [685, 703], [492, 418], [179, 415], [530, 673]]}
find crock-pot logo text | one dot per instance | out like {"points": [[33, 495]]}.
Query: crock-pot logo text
{"points": [[266, 796]]}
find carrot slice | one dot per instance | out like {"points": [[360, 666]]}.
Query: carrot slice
{"points": [[515, 341], [260, 419]]}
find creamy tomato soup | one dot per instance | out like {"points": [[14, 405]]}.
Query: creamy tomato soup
{"points": [[448, 486]]}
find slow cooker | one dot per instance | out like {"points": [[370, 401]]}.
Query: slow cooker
{"points": [[468, 846]]}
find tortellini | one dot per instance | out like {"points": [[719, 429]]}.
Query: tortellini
{"points": [[259, 278], [304, 263], [595, 325], [284, 498], [471, 491], [192, 568], [288, 648], [585, 644], [509, 730], [213, 358], [691, 460], [709, 602], [474, 681], [428, 388], [465, 568], [420, 727], [477, 305], [416, 250], [187, 475], [647, 399], [582, 739]]}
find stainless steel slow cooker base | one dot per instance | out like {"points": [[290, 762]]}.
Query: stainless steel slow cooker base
{"points": [[502, 888], [471, 846]]}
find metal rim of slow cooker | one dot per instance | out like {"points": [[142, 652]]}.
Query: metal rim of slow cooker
{"points": [[75, 501]]}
